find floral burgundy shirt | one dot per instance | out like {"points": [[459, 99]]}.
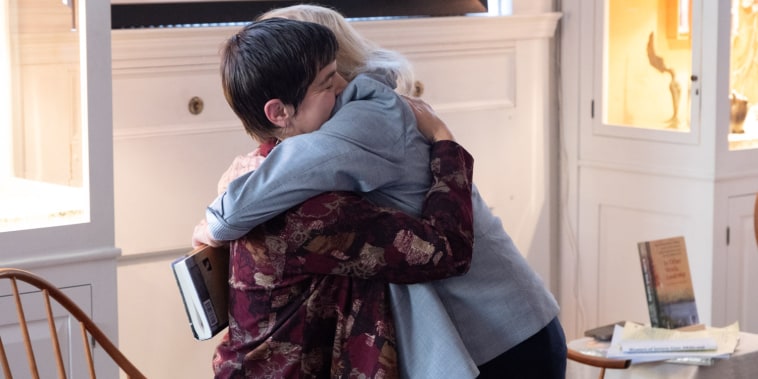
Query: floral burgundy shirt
{"points": [[309, 288]]}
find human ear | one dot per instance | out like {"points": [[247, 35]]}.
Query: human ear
{"points": [[277, 112]]}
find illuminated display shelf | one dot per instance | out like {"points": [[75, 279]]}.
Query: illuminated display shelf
{"points": [[648, 81]]}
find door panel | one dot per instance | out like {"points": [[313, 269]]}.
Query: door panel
{"points": [[742, 265]]}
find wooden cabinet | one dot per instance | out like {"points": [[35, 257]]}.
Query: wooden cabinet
{"points": [[741, 264], [649, 153]]}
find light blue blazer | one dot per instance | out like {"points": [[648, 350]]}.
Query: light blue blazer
{"points": [[371, 144]]}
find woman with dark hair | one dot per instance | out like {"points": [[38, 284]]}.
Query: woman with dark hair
{"points": [[497, 318]]}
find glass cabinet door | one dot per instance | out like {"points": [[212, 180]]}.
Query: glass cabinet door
{"points": [[743, 78], [56, 129], [43, 158], [649, 80], [647, 65]]}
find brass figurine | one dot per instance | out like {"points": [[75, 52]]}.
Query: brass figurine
{"points": [[676, 90], [738, 106]]}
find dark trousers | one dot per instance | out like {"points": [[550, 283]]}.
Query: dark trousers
{"points": [[541, 356]]}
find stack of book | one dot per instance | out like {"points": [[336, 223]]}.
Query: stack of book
{"points": [[701, 346], [674, 333]]}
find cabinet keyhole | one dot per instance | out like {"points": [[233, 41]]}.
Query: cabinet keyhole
{"points": [[196, 105]]}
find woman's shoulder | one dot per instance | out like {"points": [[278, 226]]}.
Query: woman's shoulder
{"points": [[372, 115], [366, 98], [368, 86]]}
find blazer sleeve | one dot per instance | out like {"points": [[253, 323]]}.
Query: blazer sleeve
{"points": [[361, 148], [339, 233]]}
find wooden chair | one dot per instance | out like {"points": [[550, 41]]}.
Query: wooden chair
{"points": [[602, 362], [88, 328]]}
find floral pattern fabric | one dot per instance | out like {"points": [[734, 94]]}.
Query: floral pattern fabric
{"points": [[309, 294]]}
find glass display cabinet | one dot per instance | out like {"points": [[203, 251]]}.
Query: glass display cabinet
{"points": [[743, 75], [648, 78], [660, 123], [648, 65]]}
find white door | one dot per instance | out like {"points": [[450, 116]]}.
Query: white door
{"points": [[742, 265]]}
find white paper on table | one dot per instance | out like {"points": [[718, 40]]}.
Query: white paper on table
{"points": [[669, 346], [726, 339]]}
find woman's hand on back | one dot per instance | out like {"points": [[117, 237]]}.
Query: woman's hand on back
{"points": [[429, 124]]}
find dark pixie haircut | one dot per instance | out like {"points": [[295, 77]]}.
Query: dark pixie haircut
{"points": [[272, 59]]}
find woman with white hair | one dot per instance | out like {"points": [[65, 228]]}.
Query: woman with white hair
{"points": [[496, 321]]}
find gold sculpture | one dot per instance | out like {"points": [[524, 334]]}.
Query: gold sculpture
{"points": [[676, 91], [738, 111]]}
